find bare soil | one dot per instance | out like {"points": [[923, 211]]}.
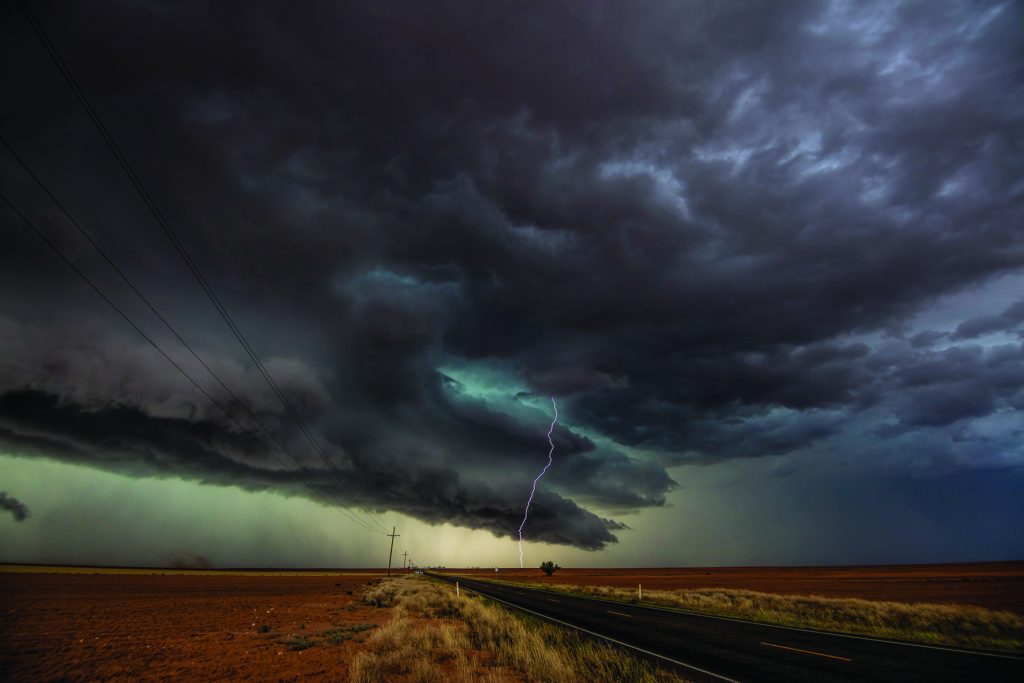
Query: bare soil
{"points": [[85, 624], [995, 585], [182, 626]]}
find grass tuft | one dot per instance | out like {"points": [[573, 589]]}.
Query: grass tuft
{"points": [[298, 644], [339, 634]]}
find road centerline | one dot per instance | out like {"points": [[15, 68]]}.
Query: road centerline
{"points": [[807, 652], [621, 614]]}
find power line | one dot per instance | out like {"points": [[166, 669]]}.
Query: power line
{"points": [[153, 309], [393, 536], [147, 199], [163, 353]]}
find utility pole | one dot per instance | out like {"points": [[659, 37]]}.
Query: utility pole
{"points": [[393, 535], [404, 555]]}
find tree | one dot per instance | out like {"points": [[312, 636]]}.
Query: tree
{"points": [[549, 567]]}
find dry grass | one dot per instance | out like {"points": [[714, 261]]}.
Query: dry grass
{"points": [[434, 636], [933, 623]]}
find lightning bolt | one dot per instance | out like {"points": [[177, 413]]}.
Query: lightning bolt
{"points": [[551, 453]]}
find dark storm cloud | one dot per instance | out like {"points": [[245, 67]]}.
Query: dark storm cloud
{"points": [[946, 387], [1005, 321], [707, 230], [14, 506]]}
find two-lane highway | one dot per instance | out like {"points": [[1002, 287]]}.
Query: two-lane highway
{"points": [[715, 648]]}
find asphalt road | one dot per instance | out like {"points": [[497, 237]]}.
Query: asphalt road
{"points": [[713, 648]]}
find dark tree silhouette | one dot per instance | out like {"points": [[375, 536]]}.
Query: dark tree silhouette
{"points": [[549, 567]]}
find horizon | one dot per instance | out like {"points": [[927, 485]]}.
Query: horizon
{"points": [[383, 568]]}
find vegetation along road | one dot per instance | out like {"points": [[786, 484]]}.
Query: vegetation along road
{"points": [[716, 648]]}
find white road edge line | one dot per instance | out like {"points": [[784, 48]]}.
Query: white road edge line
{"points": [[780, 626], [608, 638]]}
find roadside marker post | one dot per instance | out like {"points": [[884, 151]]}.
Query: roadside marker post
{"points": [[639, 592], [456, 589]]}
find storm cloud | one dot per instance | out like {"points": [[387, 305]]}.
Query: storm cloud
{"points": [[713, 232], [14, 506]]}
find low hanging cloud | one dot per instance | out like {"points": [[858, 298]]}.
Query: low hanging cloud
{"points": [[710, 231], [186, 560], [14, 506]]}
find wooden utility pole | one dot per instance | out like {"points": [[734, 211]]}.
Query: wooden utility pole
{"points": [[404, 555], [393, 535]]}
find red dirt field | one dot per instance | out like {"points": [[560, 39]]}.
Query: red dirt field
{"points": [[113, 625], [995, 585], [84, 624]]}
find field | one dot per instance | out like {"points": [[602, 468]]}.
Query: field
{"points": [[86, 624], [91, 624], [993, 585], [80, 624]]}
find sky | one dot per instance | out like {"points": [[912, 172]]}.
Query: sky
{"points": [[766, 257]]}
